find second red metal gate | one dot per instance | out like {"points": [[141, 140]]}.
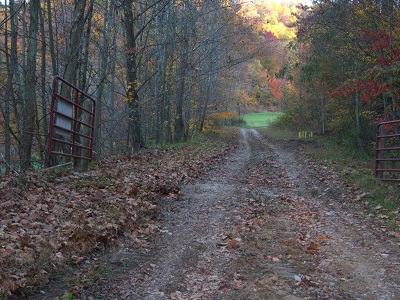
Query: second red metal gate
{"points": [[387, 162]]}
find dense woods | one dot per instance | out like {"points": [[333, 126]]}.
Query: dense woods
{"points": [[162, 70], [345, 67], [157, 69]]}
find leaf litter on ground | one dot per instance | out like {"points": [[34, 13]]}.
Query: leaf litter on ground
{"points": [[53, 219]]}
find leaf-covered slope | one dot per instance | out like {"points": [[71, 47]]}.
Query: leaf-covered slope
{"points": [[51, 219]]}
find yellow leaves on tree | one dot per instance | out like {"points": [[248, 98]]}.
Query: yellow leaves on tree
{"points": [[224, 115]]}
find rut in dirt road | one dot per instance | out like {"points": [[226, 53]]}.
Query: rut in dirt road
{"points": [[192, 230], [264, 225]]}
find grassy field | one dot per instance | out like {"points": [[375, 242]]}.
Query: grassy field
{"points": [[260, 119]]}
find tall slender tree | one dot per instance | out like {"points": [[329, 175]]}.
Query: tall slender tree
{"points": [[135, 136], [11, 63], [28, 114]]}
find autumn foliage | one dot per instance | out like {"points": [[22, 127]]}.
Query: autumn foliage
{"points": [[344, 68]]}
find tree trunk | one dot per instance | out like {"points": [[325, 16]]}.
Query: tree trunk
{"points": [[54, 64], [74, 44], [357, 94], [179, 128], [11, 63], [112, 122], [45, 127], [87, 119], [134, 123], [323, 114], [103, 73], [28, 115]]}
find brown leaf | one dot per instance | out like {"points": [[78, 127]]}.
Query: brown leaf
{"points": [[232, 244], [225, 288], [77, 259], [323, 238], [205, 272], [134, 191], [312, 248]]}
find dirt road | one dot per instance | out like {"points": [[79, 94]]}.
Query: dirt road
{"points": [[268, 224]]}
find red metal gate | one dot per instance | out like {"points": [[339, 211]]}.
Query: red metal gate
{"points": [[72, 114], [387, 162]]}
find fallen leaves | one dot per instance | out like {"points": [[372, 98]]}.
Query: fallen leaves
{"points": [[312, 248], [232, 244], [268, 174], [229, 244], [323, 238], [54, 218]]}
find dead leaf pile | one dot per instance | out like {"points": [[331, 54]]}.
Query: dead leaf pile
{"points": [[267, 174], [52, 219]]}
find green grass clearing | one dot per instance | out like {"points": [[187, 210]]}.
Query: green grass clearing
{"points": [[261, 119]]}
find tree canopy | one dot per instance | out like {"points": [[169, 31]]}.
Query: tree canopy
{"points": [[346, 57]]}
